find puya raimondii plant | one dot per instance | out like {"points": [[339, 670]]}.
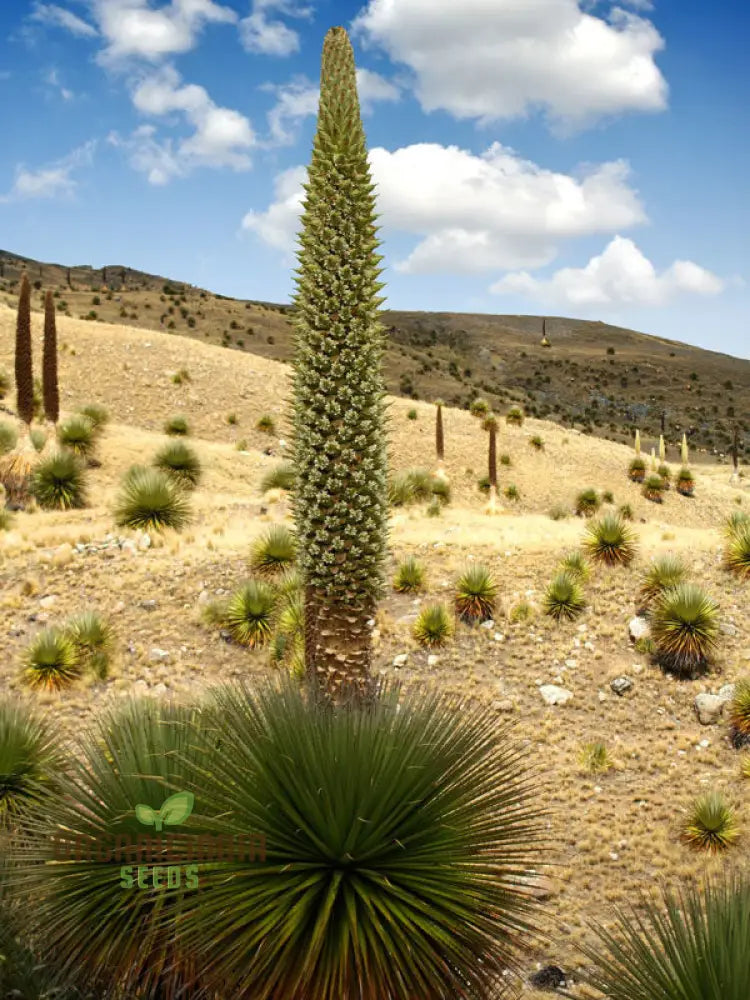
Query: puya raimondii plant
{"points": [[340, 500]]}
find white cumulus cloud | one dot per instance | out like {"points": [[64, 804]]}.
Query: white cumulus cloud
{"points": [[58, 17], [472, 213], [261, 34], [620, 275], [53, 180], [501, 59]]}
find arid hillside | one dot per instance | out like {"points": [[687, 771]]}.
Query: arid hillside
{"points": [[595, 377], [612, 834]]}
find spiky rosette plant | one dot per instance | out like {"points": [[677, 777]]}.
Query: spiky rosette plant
{"points": [[711, 824], [81, 854], [151, 501], [51, 661], [662, 573], [665, 474], [181, 463], [274, 551], [564, 600], [77, 433], [409, 577], [653, 489], [595, 758], [97, 414], [733, 522], [476, 593], [30, 760], [433, 626], [575, 564], [280, 477], [50, 390], [59, 482], [609, 540], [692, 944], [685, 484], [340, 500], [739, 714], [515, 417], [428, 900], [685, 629], [637, 470], [737, 553], [588, 503], [93, 638], [250, 613]]}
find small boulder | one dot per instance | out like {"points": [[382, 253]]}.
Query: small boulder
{"points": [[48, 601], [638, 628], [400, 660], [159, 655], [620, 685], [551, 977], [554, 695], [709, 708]]}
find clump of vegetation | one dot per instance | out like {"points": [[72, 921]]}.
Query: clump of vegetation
{"points": [[665, 474], [505, 460], [38, 438], [737, 552], [149, 499], [653, 489], [6, 517], [476, 593], [511, 492], [692, 946], [515, 416], [575, 564], [662, 573], [409, 577], [250, 613], [179, 461], [30, 761], [97, 414], [274, 551], [637, 470], [558, 512], [441, 490], [415, 486], [4, 383], [231, 419], [8, 437], [587, 503], [280, 477], [685, 485], [183, 375], [51, 661], [434, 508], [608, 497], [536, 442], [595, 758], [58, 482], [735, 521], [483, 484], [739, 714], [684, 628], [564, 598], [521, 612], [93, 638], [433, 627], [177, 426], [625, 511], [711, 825], [479, 407], [610, 541], [266, 424], [77, 433], [412, 414]]}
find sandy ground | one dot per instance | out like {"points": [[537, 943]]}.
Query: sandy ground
{"points": [[613, 834]]}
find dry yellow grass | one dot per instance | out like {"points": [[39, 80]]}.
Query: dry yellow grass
{"points": [[614, 833]]}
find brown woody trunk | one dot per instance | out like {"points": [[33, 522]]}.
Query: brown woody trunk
{"points": [[338, 649], [439, 442], [492, 459], [50, 390]]}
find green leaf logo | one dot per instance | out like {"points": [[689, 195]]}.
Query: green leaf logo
{"points": [[176, 809]]}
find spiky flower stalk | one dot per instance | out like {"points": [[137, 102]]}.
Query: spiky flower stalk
{"points": [[637, 441], [340, 499], [49, 362], [684, 450], [24, 372], [662, 448], [654, 463]]}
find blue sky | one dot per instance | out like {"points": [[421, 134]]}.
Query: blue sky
{"points": [[559, 157]]}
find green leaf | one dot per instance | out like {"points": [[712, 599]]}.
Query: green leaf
{"points": [[176, 808], [145, 815]]}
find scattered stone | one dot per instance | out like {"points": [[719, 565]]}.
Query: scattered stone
{"points": [[400, 660], [432, 659], [47, 602], [602, 696], [62, 555], [148, 605], [159, 654], [225, 635], [204, 597], [159, 690], [554, 695], [120, 606], [144, 541], [571, 664], [129, 547], [489, 624], [499, 637], [709, 708], [727, 692], [638, 628], [551, 977], [620, 685], [504, 705]]}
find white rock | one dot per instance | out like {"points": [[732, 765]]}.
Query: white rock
{"points": [[571, 663], [488, 624], [144, 541], [204, 597], [638, 628], [159, 690], [159, 655], [708, 708], [432, 659], [400, 660], [499, 637], [602, 696], [554, 695], [48, 601]]}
